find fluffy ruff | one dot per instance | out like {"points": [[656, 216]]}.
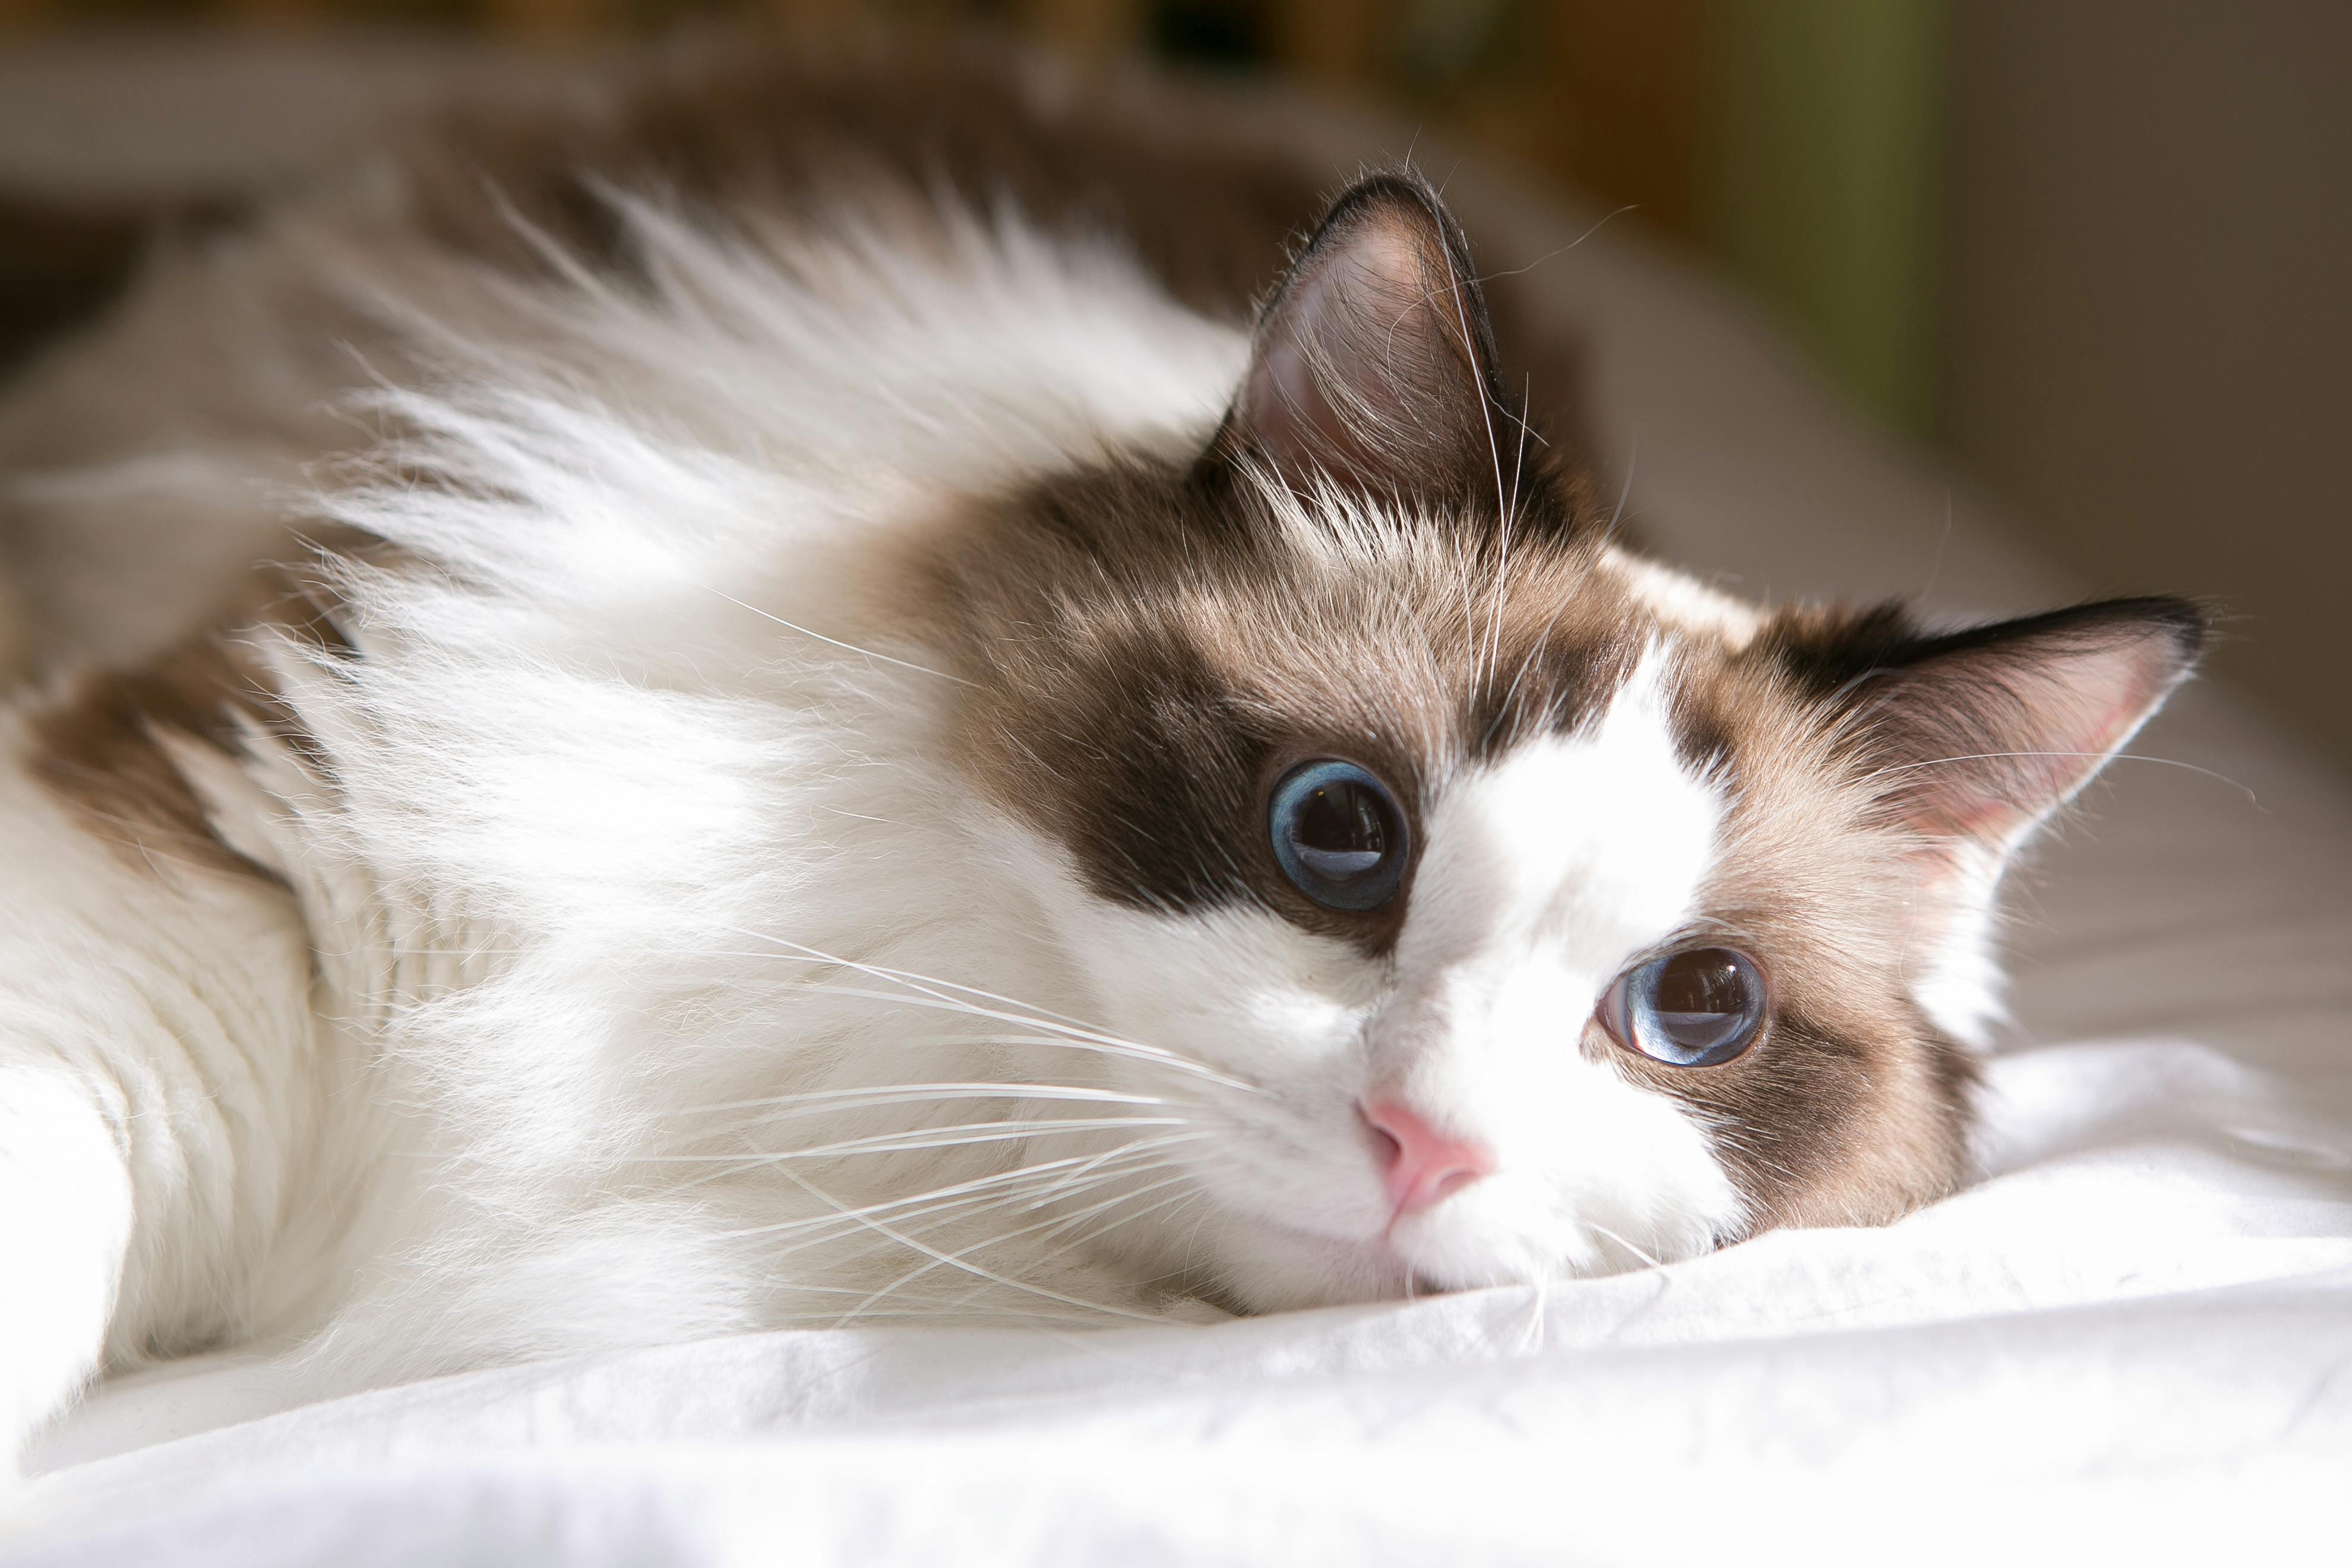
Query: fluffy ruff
{"points": [[665, 906]]}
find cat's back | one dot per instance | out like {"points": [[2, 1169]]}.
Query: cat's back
{"points": [[792, 132], [148, 463]]}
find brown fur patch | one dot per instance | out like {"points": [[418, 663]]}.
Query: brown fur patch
{"points": [[1863, 757], [99, 746], [1152, 649], [1852, 1108]]}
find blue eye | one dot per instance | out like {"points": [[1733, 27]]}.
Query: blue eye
{"points": [[1690, 1009], [1337, 835]]}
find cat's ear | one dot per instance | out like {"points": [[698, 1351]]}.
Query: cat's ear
{"points": [[1975, 738], [1372, 367]]}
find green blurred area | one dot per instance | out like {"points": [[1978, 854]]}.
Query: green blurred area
{"points": [[1818, 180]]}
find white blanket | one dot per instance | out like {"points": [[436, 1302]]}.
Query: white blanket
{"points": [[2132, 1339]]}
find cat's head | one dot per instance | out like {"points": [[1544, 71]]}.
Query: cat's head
{"points": [[1516, 907]]}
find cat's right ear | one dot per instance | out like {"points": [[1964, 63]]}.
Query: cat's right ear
{"points": [[1372, 367], [1976, 737]]}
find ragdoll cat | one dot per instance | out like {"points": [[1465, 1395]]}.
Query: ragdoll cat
{"points": [[867, 741]]}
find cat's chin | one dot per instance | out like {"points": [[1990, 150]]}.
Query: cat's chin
{"points": [[1381, 1277], [1270, 1268]]}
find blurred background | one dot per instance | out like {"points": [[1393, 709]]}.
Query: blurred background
{"points": [[2097, 252]]}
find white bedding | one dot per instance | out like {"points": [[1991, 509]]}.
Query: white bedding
{"points": [[2133, 1338]]}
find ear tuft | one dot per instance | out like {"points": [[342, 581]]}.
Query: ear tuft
{"points": [[1372, 366]]}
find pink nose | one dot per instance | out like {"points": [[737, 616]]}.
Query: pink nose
{"points": [[1420, 1165]]}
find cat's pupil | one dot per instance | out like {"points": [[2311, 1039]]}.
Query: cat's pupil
{"points": [[1340, 832], [1700, 999], [1337, 835], [1693, 1008]]}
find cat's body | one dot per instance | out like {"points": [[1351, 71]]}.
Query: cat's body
{"points": [[870, 748]]}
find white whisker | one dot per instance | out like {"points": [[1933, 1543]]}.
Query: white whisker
{"points": [[928, 994], [837, 642], [2114, 757], [1064, 1040], [954, 1135], [1047, 1226], [1598, 225], [977, 1183], [1531, 1341], [908, 976], [1100, 1231], [1596, 1225], [973, 1269], [819, 1100], [833, 1232], [963, 1210]]}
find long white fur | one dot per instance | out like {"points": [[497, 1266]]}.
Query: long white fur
{"points": [[647, 971], [158, 1064]]}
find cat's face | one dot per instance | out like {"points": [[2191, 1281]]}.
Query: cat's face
{"points": [[1504, 907]]}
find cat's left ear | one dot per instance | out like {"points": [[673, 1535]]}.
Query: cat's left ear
{"points": [[1975, 738], [1372, 367]]}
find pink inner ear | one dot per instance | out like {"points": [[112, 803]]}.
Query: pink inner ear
{"points": [[1296, 421], [1369, 372], [1985, 741], [2060, 772]]}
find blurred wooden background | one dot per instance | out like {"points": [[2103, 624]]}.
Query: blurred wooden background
{"points": [[1796, 141], [2096, 249]]}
